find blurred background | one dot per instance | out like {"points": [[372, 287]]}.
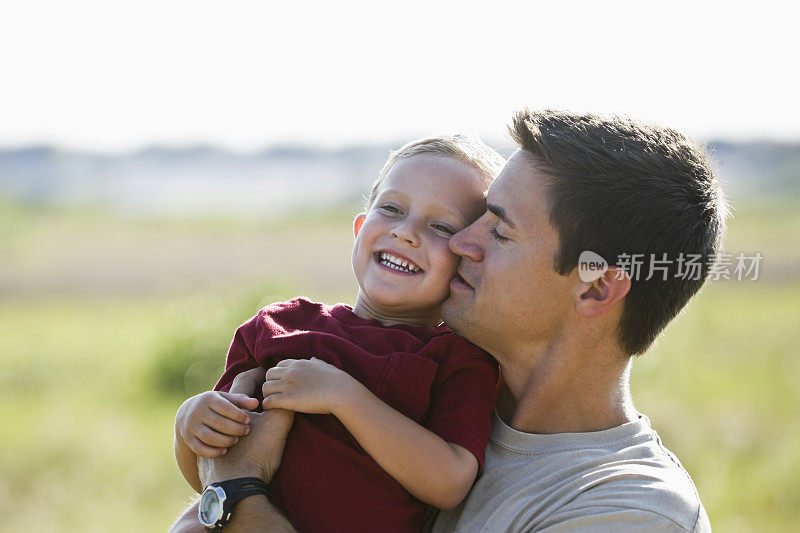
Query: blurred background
{"points": [[166, 168]]}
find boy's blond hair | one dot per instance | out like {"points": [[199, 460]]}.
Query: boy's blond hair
{"points": [[465, 148]]}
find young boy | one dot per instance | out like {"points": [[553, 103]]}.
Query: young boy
{"points": [[393, 408]]}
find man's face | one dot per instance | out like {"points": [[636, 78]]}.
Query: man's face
{"points": [[508, 296]]}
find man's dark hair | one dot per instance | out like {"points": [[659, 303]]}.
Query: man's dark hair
{"points": [[616, 186]]}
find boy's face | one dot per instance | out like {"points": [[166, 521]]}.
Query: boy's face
{"points": [[421, 203]]}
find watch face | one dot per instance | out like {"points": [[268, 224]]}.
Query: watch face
{"points": [[210, 506]]}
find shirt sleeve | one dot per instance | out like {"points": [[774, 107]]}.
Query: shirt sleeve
{"points": [[463, 402], [240, 354], [613, 519]]}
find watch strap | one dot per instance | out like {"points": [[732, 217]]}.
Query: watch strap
{"points": [[235, 491]]}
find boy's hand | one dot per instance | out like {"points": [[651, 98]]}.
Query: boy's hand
{"points": [[306, 386], [249, 381], [211, 422]]}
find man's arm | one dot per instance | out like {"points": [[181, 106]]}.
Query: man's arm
{"points": [[256, 455], [234, 404], [254, 514]]}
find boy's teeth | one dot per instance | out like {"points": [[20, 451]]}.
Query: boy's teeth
{"points": [[397, 263]]}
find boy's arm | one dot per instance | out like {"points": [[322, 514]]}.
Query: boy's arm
{"points": [[187, 461], [435, 471]]}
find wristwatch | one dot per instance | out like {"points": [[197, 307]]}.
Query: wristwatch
{"points": [[218, 500]]}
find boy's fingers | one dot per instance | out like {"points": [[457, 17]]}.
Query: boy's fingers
{"points": [[253, 373], [273, 401], [224, 407], [275, 372], [247, 381], [211, 437], [286, 362], [271, 387], [203, 450], [225, 425], [242, 401]]}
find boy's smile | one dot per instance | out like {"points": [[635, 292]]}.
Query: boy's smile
{"points": [[401, 256], [397, 262]]}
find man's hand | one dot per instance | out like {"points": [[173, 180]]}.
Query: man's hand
{"points": [[306, 386], [256, 455]]}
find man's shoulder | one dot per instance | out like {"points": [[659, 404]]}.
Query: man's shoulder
{"points": [[620, 519], [648, 488], [641, 480], [613, 480]]}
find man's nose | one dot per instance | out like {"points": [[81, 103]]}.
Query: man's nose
{"points": [[464, 243], [406, 231]]}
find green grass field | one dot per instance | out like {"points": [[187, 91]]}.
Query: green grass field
{"points": [[107, 323]]}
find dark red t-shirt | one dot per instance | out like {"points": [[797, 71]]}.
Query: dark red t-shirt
{"points": [[326, 481]]}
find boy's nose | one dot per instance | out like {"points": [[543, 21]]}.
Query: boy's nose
{"points": [[405, 231]]}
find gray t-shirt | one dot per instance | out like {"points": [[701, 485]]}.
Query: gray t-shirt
{"points": [[616, 480]]}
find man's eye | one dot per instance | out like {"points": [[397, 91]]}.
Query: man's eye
{"points": [[389, 208], [498, 236]]}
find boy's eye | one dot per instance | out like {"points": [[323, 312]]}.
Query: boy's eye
{"points": [[444, 229], [498, 236], [390, 208]]}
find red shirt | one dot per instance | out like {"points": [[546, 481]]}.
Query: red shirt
{"points": [[326, 481]]}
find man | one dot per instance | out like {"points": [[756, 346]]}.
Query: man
{"points": [[580, 261]]}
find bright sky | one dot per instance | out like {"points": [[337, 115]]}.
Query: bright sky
{"points": [[105, 75]]}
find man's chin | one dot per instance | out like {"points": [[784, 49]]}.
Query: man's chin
{"points": [[452, 312]]}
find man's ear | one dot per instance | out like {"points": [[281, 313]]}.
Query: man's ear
{"points": [[598, 296], [358, 222]]}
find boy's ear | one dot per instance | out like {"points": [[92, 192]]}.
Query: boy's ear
{"points": [[598, 296], [358, 222]]}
